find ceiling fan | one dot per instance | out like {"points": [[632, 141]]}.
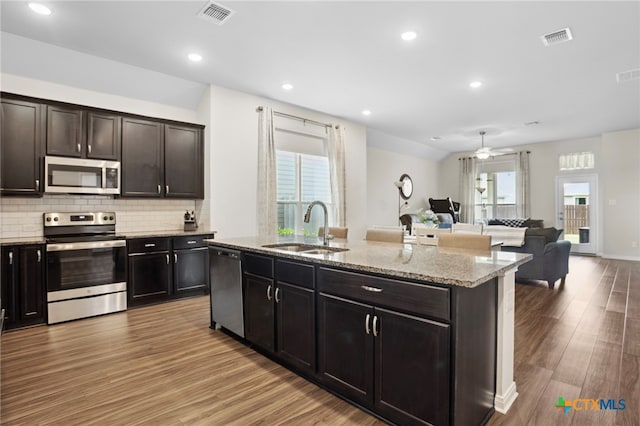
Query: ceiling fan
{"points": [[485, 152]]}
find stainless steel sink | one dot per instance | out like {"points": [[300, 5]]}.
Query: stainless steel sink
{"points": [[305, 248]]}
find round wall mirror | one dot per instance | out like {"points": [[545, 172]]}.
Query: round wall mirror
{"points": [[406, 189]]}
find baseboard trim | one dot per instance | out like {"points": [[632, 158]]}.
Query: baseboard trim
{"points": [[502, 403], [616, 257]]}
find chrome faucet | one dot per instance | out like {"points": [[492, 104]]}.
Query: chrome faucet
{"points": [[307, 216]]}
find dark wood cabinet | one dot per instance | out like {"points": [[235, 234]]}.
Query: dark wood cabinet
{"points": [[22, 125], [191, 265], [23, 285], [142, 158], [103, 136], [65, 131], [183, 162], [149, 277], [259, 318]]}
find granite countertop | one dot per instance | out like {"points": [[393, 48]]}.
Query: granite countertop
{"points": [[457, 267], [136, 234]]}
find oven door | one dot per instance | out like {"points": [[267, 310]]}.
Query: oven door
{"points": [[85, 264]]}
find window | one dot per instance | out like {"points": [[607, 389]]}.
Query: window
{"points": [[496, 190], [301, 179], [576, 161]]}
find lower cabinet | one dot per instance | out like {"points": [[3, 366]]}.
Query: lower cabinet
{"points": [[165, 268], [280, 309], [368, 354], [23, 286]]}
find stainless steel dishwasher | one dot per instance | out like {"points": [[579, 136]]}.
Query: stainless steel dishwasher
{"points": [[226, 289]]}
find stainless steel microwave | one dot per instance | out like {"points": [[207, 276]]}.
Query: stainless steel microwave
{"points": [[81, 176]]}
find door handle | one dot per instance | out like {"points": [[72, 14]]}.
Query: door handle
{"points": [[37, 184], [39, 255], [167, 258], [166, 189], [269, 292], [276, 295], [175, 257], [10, 258], [89, 148], [159, 189], [79, 147], [371, 289], [375, 326], [366, 324]]}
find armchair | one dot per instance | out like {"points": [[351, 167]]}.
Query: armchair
{"points": [[446, 206], [550, 259]]}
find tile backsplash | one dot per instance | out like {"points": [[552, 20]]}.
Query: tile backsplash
{"points": [[22, 217]]}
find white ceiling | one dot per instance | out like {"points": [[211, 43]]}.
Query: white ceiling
{"points": [[343, 57]]}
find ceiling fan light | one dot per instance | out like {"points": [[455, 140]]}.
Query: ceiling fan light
{"points": [[483, 155]]}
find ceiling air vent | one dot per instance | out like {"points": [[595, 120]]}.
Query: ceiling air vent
{"points": [[625, 76], [216, 13], [557, 37]]}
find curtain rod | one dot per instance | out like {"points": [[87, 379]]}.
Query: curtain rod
{"points": [[511, 153], [295, 117]]}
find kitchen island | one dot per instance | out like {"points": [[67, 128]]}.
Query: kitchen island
{"points": [[414, 334]]}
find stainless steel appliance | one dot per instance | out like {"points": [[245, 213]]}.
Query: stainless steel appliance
{"points": [[226, 289], [81, 176], [86, 265]]}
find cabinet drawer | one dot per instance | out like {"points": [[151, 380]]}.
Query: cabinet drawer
{"points": [[295, 273], [146, 245], [405, 296], [190, 241], [258, 265]]}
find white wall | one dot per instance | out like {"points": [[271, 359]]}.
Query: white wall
{"points": [[383, 169], [234, 162], [617, 164]]}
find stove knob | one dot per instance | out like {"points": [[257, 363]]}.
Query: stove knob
{"points": [[105, 218], [110, 217], [48, 219], [55, 219]]}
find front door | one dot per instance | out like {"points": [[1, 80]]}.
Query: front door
{"points": [[577, 198]]}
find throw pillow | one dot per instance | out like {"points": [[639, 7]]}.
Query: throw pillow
{"points": [[550, 235], [515, 222]]}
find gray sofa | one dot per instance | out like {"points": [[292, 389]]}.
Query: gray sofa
{"points": [[550, 259]]}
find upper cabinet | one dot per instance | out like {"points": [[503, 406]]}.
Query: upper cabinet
{"points": [[162, 160], [21, 147], [76, 132], [183, 165]]}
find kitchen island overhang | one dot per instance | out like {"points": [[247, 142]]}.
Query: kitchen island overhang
{"points": [[478, 290]]}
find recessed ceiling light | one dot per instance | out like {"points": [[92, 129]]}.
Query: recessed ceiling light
{"points": [[366, 112], [40, 8], [287, 86], [194, 57], [475, 84], [409, 35]]}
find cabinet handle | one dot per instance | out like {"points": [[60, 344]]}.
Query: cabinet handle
{"points": [[167, 258], [366, 324], [159, 189], [277, 292], [89, 148], [39, 256], [175, 257], [149, 245], [10, 258], [79, 147], [371, 289], [37, 184], [166, 189], [375, 325], [269, 292], [191, 242]]}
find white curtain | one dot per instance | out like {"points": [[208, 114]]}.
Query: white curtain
{"points": [[467, 179], [267, 208], [335, 149], [523, 188]]}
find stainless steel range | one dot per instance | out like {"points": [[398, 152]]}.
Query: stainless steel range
{"points": [[86, 265]]}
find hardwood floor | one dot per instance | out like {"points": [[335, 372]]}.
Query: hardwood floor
{"points": [[163, 365]]}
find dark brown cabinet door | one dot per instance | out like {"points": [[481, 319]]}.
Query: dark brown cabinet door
{"points": [[149, 277], [23, 285], [259, 326], [345, 347], [142, 158], [22, 125], [103, 136], [411, 389], [295, 307], [31, 289], [190, 271], [65, 131], [183, 162]]}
